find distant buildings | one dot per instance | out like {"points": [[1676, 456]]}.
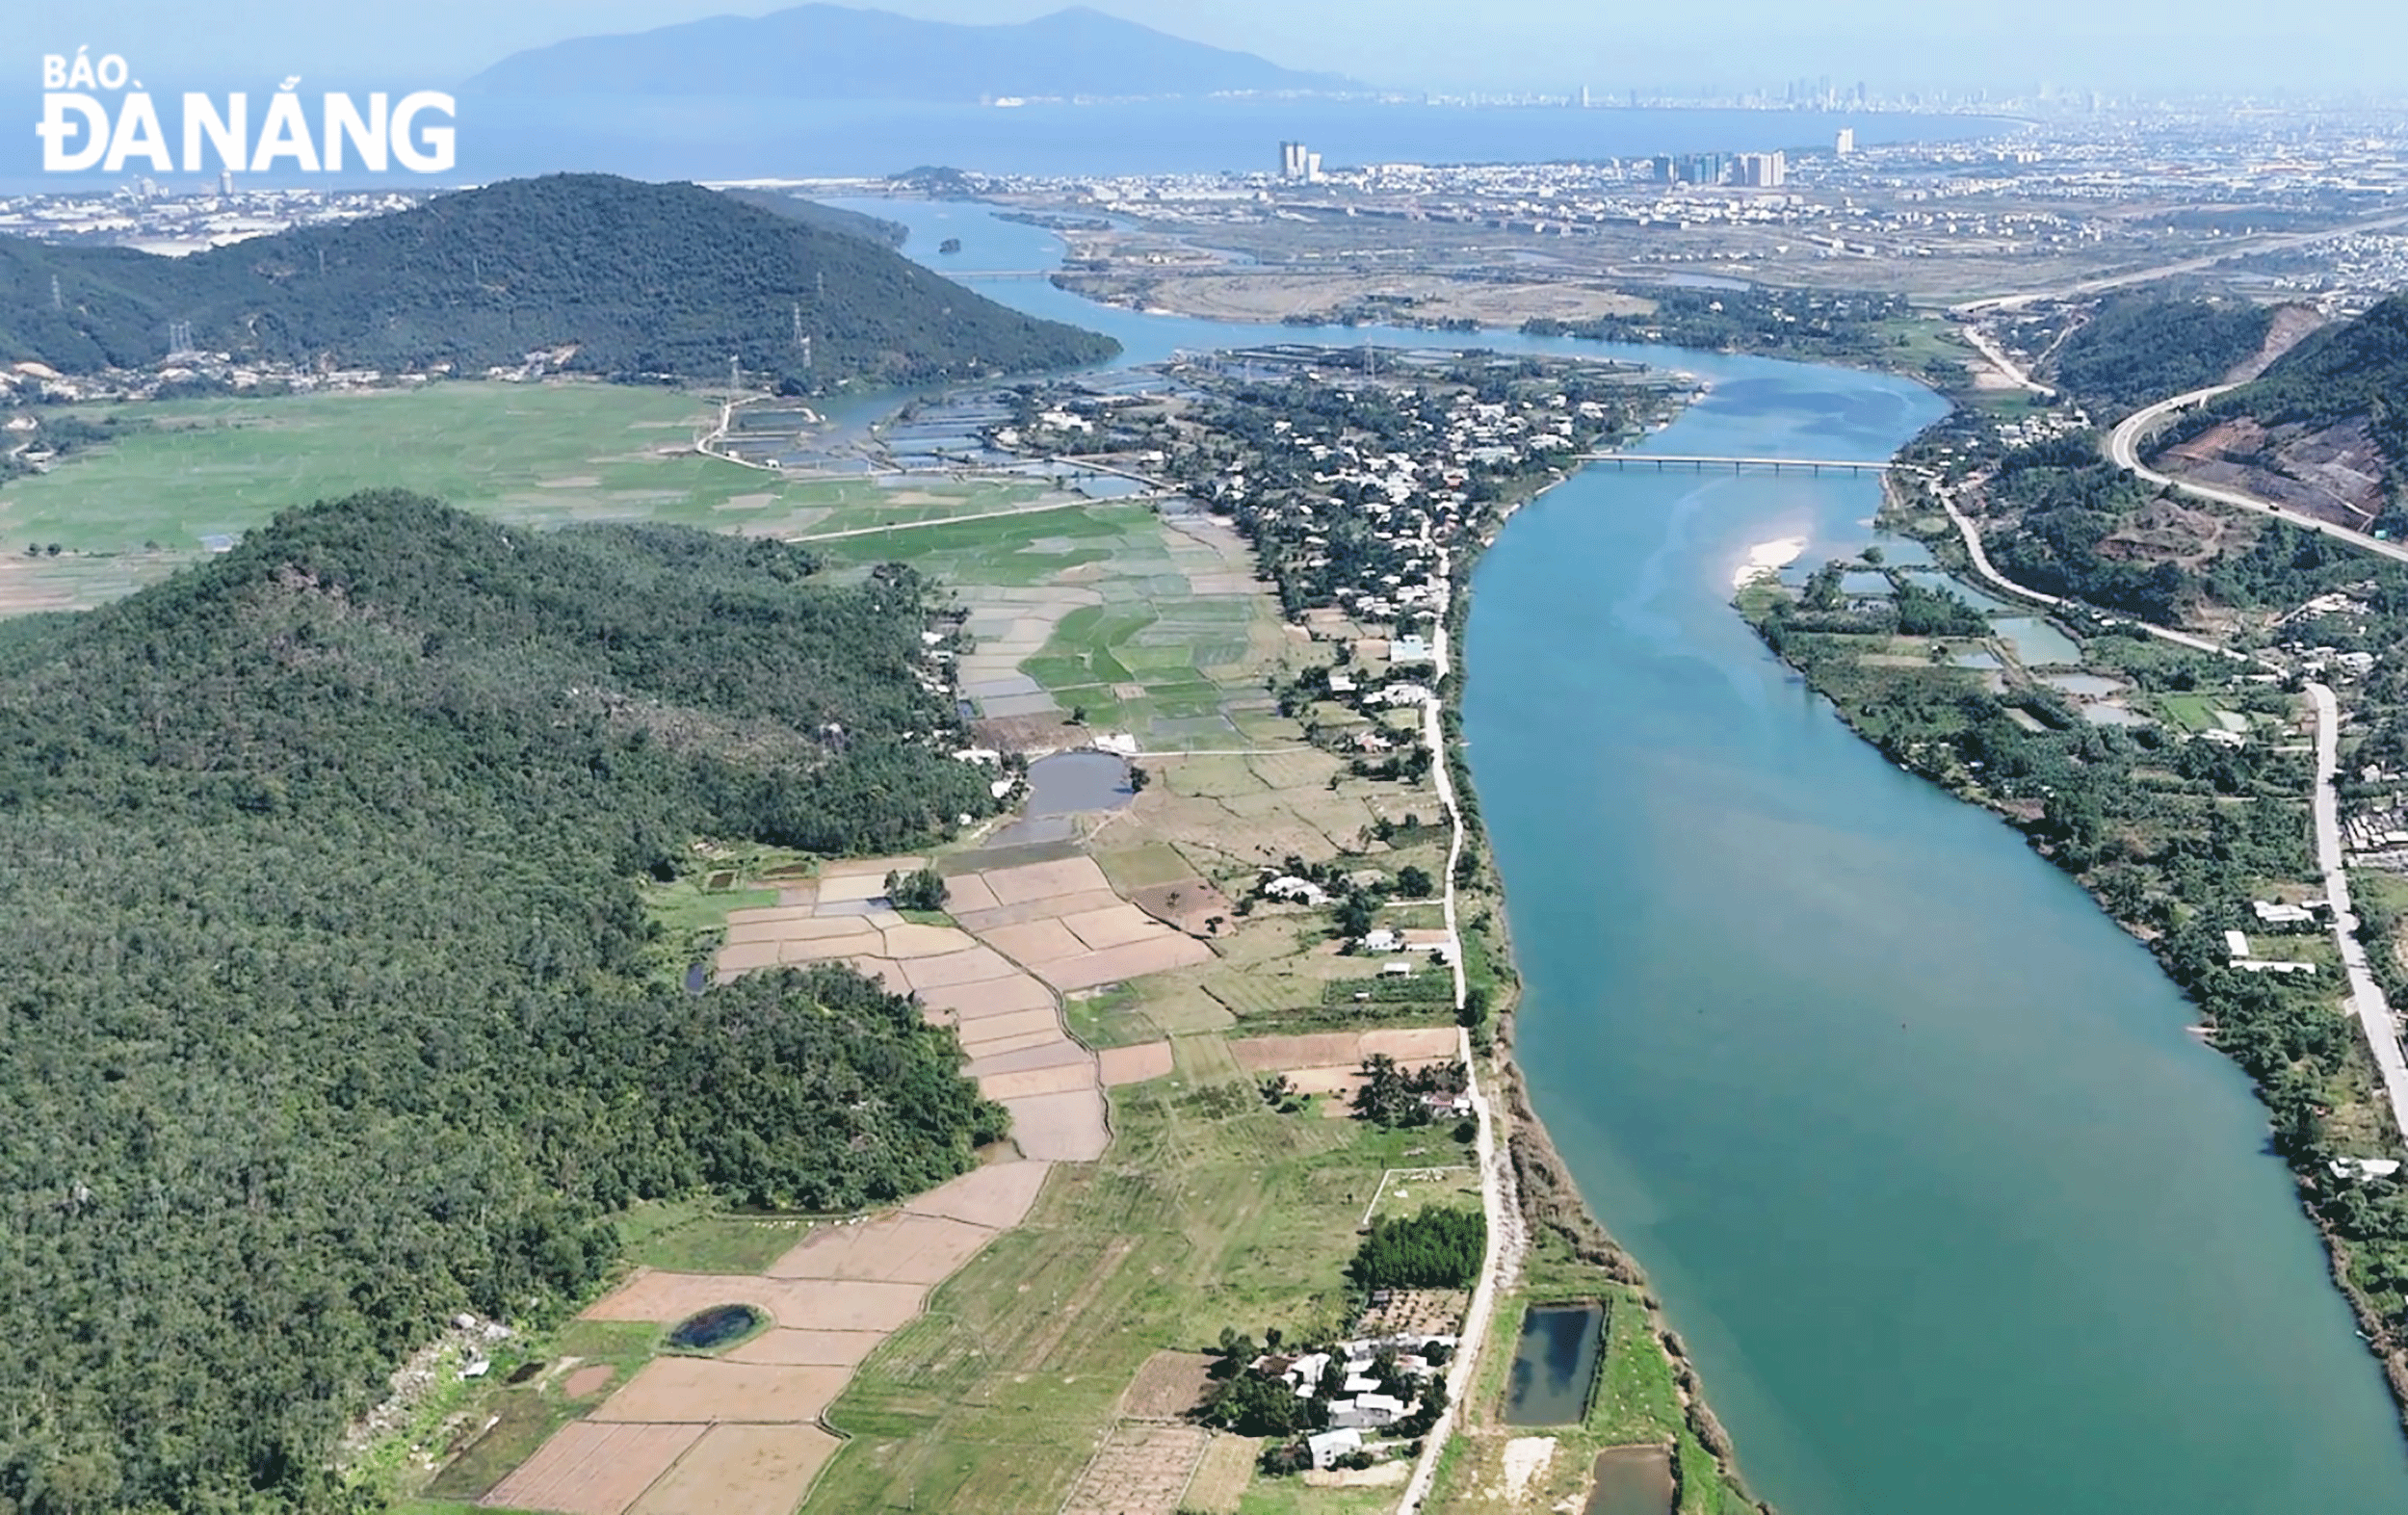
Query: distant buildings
{"points": [[1300, 163], [1762, 171], [1844, 145]]}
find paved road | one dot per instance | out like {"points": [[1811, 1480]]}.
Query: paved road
{"points": [[2239, 248], [2366, 996], [1501, 1264], [1998, 360], [2124, 450]]}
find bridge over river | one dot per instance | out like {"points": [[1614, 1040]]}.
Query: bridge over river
{"points": [[1701, 462]]}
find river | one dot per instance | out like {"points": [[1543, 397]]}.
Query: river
{"points": [[1952, 1213]]}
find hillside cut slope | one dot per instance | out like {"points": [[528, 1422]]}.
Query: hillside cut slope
{"points": [[639, 278], [332, 1007], [2324, 429]]}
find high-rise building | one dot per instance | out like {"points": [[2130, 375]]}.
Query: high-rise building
{"points": [[1762, 171], [1845, 142], [1299, 162], [225, 182]]}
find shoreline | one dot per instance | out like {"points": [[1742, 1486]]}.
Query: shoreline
{"points": [[1544, 1193], [2388, 1351]]}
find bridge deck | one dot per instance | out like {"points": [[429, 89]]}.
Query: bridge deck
{"points": [[1701, 461]]}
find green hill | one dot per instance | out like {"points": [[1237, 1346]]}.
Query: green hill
{"points": [[2352, 369], [2138, 348], [669, 278], [332, 1007]]}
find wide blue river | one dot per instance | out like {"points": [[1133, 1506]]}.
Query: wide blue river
{"points": [[1956, 1216]]}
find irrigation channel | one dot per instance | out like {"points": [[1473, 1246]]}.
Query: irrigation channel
{"points": [[1951, 1211]]}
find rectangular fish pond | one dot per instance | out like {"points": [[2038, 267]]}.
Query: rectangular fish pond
{"points": [[1554, 1364], [1632, 1480]]}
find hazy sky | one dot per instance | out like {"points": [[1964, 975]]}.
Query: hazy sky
{"points": [[1485, 44]]}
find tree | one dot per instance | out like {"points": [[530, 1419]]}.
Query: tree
{"points": [[1414, 882], [921, 889], [1138, 778]]}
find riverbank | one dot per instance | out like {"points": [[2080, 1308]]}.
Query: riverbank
{"points": [[2319, 1079]]}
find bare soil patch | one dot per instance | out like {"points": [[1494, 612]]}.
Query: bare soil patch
{"points": [[1431, 1311], [1142, 1470], [968, 892], [1165, 952], [1167, 1386], [709, 1390], [1071, 1077], [589, 1469], [743, 1469], [1060, 1128], [996, 1196], [1115, 926], [1222, 1475], [1044, 881], [810, 1348], [1011, 994], [1049, 908], [1189, 905], [589, 1380], [974, 966], [1036, 943], [902, 1248], [801, 1303], [1120, 1065]]}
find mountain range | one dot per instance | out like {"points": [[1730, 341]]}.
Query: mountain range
{"points": [[828, 52], [637, 278]]}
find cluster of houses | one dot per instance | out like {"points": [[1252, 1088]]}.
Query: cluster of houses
{"points": [[1357, 1401], [2275, 916]]}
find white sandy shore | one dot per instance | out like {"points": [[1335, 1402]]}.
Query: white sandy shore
{"points": [[1766, 559]]}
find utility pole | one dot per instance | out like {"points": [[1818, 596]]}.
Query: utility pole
{"points": [[735, 382], [58, 302]]}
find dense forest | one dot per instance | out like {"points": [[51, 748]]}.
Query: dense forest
{"points": [[2138, 348], [327, 1011], [640, 279]]}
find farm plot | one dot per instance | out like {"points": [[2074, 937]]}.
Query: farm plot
{"points": [[590, 1469], [742, 1470], [1143, 1470]]}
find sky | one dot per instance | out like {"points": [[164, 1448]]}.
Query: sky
{"points": [[1452, 46]]}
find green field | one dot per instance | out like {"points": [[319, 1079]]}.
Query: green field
{"points": [[1211, 1211], [190, 471]]}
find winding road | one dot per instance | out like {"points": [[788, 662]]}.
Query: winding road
{"points": [[2366, 996], [2124, 450]]}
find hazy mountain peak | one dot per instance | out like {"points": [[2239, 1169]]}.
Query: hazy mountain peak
{"points": [[842, 52]]}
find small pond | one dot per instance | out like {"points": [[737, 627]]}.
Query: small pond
{"points": [[1064, 785], [1631, 1480], [2039, 644], [1069, 782], [1860, 580], [716, 1326], [697, 977], [1977, 660], [2086, 686], [1554, 1365]]}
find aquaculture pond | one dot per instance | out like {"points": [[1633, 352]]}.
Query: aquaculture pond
{"points": [[714, 1327], [1554, 1364]]}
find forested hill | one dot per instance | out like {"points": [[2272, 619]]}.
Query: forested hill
{"points": [[2138, 348], [2347, 371], [639, 277], [325, 1012]]}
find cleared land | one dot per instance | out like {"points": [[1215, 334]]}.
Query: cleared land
{"points": [[1143, 1470], [592, 1469], [742, 1470]]}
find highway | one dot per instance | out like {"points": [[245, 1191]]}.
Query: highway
{"points": [[2366, 996], [2124, 450]]}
